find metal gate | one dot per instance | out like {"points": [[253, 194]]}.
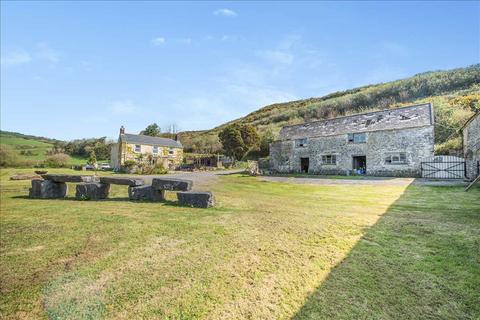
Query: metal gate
{"points": [[443, 167]]}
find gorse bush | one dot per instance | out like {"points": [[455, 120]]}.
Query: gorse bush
{"points": [[59, 160], [8, 157]]}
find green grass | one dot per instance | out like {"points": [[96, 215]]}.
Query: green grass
{"points": [[267, 251], [36, 147]]}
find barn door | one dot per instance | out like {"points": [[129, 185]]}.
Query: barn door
{"points": [[443, 167]]}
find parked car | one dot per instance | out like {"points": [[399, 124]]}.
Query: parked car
{"points": [[105, 166]]}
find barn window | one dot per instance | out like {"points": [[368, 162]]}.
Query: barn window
{"points": [[301, 142], [138, 148], [357, 138], [329, 159], [155, 149], [396, 158]]}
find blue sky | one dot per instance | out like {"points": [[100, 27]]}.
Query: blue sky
{"points": [[82, 69]]}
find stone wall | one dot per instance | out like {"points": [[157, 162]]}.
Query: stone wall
{"points": [[417, 143], [471, 146]]}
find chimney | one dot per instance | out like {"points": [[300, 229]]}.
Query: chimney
{"points": [[122, 130]]}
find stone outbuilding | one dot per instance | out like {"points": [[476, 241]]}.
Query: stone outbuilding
{"points": [[140, 148], [383, 143], [471, 146]]}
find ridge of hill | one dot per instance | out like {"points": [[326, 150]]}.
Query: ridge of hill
{"points": [[454, 93]]}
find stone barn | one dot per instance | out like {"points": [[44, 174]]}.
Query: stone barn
{"points": [[471, 146], [383, 143]]}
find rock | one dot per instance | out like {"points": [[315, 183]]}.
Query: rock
{"points": [[24, 177], [197, 199], [47, 189], [172, 184], [69, 178], [146, 193], [132, 182], [92, 191]]}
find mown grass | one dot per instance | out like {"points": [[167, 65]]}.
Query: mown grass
{"points": [[267, 251]]}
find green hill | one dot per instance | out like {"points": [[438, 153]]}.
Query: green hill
{"points": [[30, 150], [455, 95]]}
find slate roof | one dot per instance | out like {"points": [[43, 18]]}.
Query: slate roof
{"points": [[400, 118], [154, 141]]}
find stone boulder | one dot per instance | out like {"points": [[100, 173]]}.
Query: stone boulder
{"points": [[197, 199], [172, 184], [92, 191], [146, 193], [69, 178], [47, 189], [126, 181], [25, 176]]}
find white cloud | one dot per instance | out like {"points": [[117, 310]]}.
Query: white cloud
{"points": [[123, 107], [276, 56], [15, 57], [44, 52], [158, 41], [225, 13]]}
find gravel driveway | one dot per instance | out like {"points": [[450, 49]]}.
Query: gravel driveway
{"points": [[199, 178]]}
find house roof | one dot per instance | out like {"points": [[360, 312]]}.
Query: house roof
{"points": [[470, 120], [399, 118], [154, 141]]}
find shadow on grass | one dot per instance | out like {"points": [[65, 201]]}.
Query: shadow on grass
{"points": [[419, 261]]}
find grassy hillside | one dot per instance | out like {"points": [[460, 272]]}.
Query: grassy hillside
{"points": [[31, 149], [454, 93]]}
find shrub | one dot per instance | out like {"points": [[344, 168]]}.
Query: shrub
{"points": [[58, 160], [157, 168], [9, 158]]}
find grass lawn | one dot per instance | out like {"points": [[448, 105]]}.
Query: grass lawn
{"points": [[267, 251]]}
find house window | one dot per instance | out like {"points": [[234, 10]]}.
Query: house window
{"points": [[357, 138], [301, 143], [396, 158], [138, 148], [155, 149], [329, 159], [171, 151]]}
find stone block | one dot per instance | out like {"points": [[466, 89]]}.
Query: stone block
{"points": [[172, 184], [126, 181], [47, 189], [197, 199], [92, 191], [146, 193], [69, 178]]}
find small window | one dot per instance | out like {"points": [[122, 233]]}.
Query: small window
{"points": [[357, 138], [171, 151], [396, 158], [138, 148], [329, 159], [155, 150], [300, 143]]}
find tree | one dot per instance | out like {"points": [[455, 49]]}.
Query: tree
{"points": [[232, 142], [265, 141], [92, 158], [152, 130], [250, 136]]}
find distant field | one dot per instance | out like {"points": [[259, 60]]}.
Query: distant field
{"points": [[267, 251], [36, 147]]}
